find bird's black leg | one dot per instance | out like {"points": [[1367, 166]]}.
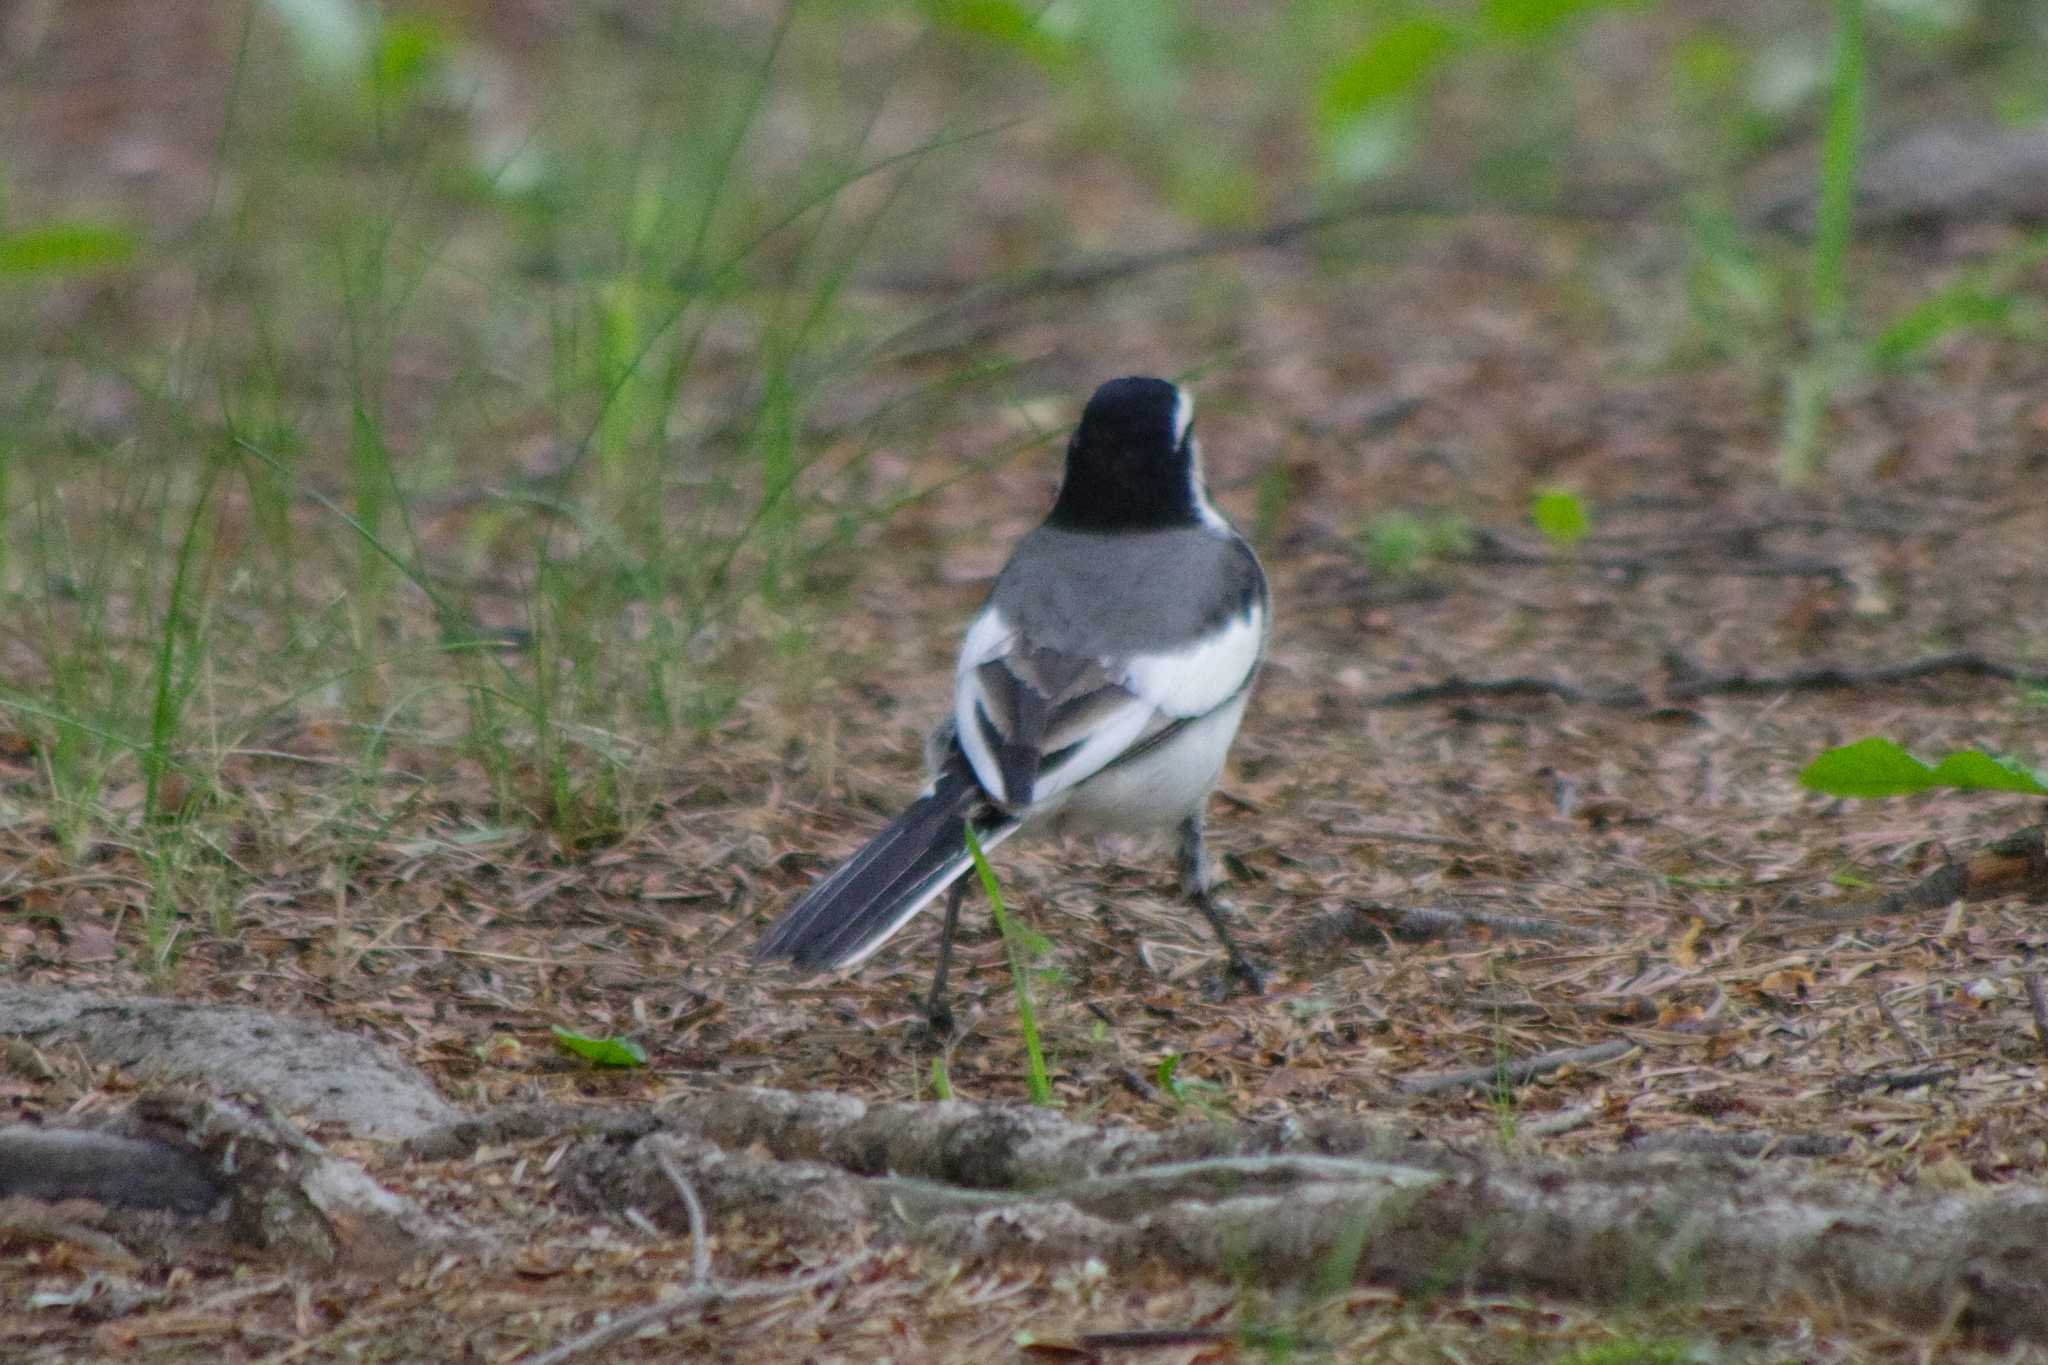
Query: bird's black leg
{"points": [[1194, 884], [938, 1011]]}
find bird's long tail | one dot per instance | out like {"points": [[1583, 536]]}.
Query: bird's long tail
{"points": [[874, 893]]}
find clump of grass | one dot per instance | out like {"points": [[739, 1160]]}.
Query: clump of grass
{"points": [[586, 527], [1401, 543]]}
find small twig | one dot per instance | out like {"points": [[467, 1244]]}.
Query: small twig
{"points": [[1892, 1082], [1153, 1338], [1913, 1045], [1667, 562], [1743, 1144], [1689, 682], [1563, 1121], [696, 1296], [1590, 203], [661, 1149], [2038, 1000], [1383, 834], [1455, 688], [2017, 862], [1624, 1009], [1828, 677], [1373, 923], [1515, 1072]]}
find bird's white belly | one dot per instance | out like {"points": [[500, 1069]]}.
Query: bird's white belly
{"points": [[1154, 792]]}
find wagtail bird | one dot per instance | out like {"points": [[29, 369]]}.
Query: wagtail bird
{"points": [[1097, 692]]}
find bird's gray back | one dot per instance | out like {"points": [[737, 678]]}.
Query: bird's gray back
{"points": [[1101, 596]]}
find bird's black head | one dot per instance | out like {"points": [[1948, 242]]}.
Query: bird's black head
{"points": [[1131, 465]]}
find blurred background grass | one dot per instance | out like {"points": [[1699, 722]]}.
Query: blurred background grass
{"points": [[525, 383]]}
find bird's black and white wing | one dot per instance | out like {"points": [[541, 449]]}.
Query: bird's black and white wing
{"points": [[871, 895], [1036, 721]]}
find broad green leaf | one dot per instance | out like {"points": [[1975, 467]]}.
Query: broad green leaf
{"points": [[1561, 515], [1878, 767], [64, 248], [613, 1051], [1970, 770], [1869, 767], [1389, 64]]}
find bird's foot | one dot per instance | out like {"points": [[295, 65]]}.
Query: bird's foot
{"points": [[937, 1025], [1239, 976]]}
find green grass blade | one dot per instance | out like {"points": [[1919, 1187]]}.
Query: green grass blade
{"points": [[1841, 139], [1027, 1018], [1812, 381]]}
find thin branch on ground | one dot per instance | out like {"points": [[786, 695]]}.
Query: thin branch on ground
{"points": [[1892, 1082], [662, 1150], [696, 1296], [1673, 562], [1373, 922], [1626, 1009], [1563, 1121], [1756, 1145], [1458, 688], [2037, 1000], [1898, 1026], [2016, 863], [1690, 681], [1589, 204], [1515, 1072]]}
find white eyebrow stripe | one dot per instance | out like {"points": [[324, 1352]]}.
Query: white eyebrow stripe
{"points": [[1183, 415]]}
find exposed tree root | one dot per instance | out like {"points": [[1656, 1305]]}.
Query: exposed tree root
{"points": [[1334, 1203]]}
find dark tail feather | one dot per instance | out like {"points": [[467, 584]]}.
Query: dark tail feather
{"points": [[874, 893]]}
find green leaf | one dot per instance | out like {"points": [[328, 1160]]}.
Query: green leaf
{"points": [[1869, 767], [1387, 65], [64, 248], [1561, 515], [1940, 315], [1524, 19], [1003, 24], [1878, 767], [1969, 770], [613, 1051], [408, 52]]}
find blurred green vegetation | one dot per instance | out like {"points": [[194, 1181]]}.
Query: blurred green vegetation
{"points": [[527, 411]]}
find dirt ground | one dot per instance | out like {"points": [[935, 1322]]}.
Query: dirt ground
{"points": [[1634, 799]]}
